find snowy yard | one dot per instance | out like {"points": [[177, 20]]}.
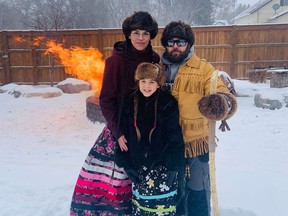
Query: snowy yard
{"points": [[44, 141]]}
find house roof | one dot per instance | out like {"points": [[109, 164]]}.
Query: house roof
{"points": [[278, 15], [252, 9]]}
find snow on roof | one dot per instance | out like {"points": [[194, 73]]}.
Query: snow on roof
{"points": [[252, 9], [220, 22]]}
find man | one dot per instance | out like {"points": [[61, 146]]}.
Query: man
{"points": [[188, 78]]}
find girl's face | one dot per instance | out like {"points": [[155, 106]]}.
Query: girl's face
{"points": [[140, 39], [148, 86]]}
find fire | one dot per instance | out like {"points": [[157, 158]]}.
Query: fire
{"points": [[18, 39], [84, 64], [37, 40]]}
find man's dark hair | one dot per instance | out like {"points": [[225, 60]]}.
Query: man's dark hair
{"points": [[177, 29]]}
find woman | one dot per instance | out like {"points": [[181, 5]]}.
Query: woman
{"points": [[150, 124], [102, 188]]}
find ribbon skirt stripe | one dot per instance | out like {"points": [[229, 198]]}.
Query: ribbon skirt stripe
{"points": [[151, 195], [102, 188]]}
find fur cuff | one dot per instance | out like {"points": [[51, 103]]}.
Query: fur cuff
{"points": [[232, 104], [214, 107]]}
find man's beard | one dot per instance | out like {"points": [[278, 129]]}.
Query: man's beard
{"points": [[176, 58]]}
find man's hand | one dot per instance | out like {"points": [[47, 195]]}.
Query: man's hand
{"points": [[122, 143]]}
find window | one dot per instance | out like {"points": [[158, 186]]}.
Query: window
{"points": [[283, 2]]}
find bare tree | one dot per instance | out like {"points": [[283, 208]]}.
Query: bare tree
{"points": [[93, 14], [8, 17], [47, 14], [193, 12], [222, 8], [118, 10], [67, 14], [227, 9]]}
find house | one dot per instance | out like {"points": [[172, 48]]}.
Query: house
{"points": [[264, 11], [220, 22]]}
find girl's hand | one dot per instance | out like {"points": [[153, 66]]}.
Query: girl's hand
{"points": [[122, 143]]}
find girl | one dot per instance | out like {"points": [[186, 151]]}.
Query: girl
{"points": [[155, 147]]}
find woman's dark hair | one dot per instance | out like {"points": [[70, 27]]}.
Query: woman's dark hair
{"points": [[177, 29], [140, 20]]}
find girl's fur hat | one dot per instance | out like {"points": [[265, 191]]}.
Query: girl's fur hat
{"points": [[177, 29], [140, 20], [147, 70]]}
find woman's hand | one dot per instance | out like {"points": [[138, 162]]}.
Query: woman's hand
{"points": [[122, 143]]}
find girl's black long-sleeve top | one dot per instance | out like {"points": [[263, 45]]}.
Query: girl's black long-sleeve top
{"points": [[166, 147]]}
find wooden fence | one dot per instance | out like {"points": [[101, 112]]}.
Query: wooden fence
{"points": [[234, 49]]}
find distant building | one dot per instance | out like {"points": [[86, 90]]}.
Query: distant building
{"points": [[220, 22], [265, 11]]}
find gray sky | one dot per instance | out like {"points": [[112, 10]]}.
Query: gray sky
{"points": [[251, 2]]}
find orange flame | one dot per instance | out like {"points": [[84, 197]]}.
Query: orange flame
{"points": [[85, 64], [18, 39], [37, 40]]}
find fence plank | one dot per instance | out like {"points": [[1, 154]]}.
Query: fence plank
{"points": [[5, 58]]}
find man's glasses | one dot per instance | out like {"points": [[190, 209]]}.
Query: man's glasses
{"points": [[179, 43]]}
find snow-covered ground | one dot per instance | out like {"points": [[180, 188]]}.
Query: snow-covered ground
{"points": [[44, 141]]}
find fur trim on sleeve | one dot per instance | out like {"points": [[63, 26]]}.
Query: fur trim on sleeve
{"points": [[214, 107], [233, 105]]}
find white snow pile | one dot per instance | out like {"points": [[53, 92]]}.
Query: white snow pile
{"points": [[264, 96], [69, 85]]}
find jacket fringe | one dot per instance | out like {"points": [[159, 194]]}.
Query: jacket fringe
{"points": [[196, 147], [192, 125], [188, 83]]}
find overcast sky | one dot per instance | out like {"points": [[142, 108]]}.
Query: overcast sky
{"points": [[251, 2]]}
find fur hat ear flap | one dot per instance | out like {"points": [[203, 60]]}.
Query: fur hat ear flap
{"points": [[148, 70]]}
